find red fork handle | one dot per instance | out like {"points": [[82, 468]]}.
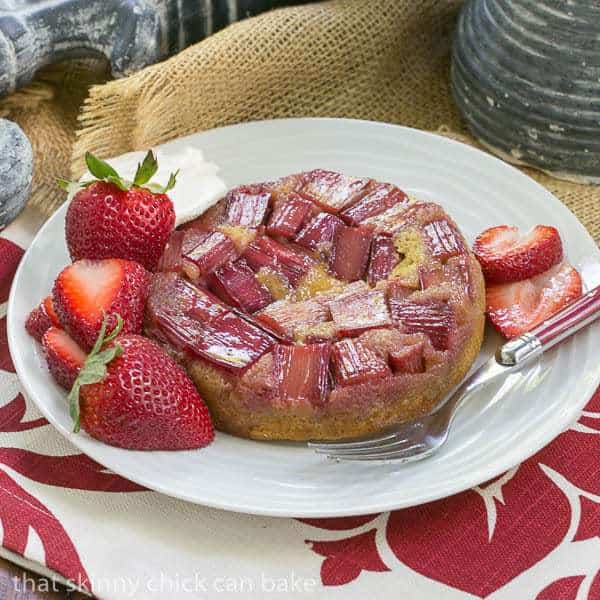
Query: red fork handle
{"points": [[567, 321]]}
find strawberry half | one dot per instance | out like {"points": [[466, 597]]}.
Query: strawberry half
{"points": [[130, 393], [353, 362], [88, 289], [515, 308], [110, 217], [302, 373], [505, 255], [41, 318], [351, 250], [63, 356]]}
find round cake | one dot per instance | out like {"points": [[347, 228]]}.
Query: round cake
{"points": [[319, 306]]}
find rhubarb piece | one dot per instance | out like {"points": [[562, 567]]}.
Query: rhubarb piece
{"points": [[265, 252], [236, 284], [505, 255], [515, 308], [286, 318], [434, 318], [212, 250], [288, 216], [388, 222], [302, 373], [408, 359], [350, 254], [352, 362], [356, 313], [430, 276], [319, 233], [194, 320], [379, 199], [398, 289], [248, 205], [333, 191], [171, 256], [443, 239], [231, 342], [384, 258]]}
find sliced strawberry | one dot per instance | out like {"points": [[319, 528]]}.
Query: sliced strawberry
{"points": [[171, 257], [434, 318], [356, 313], [286, 318], [41, 318], [88, 289], [319, 233], [333, 191], [212, 250], [48, 303], [515, 308], [288, 216], [379, 199], [408, 359], [265, 252], [64, 357], [384, 257], [236, 284], [443, 239], [352, 362], [350, 254], [302, 373], [248, 205], [505, 255]]}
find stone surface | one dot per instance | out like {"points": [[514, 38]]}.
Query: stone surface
{"points": [[129, 33], [16, 170], [526, 77]]}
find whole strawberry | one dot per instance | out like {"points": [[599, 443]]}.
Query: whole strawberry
{"points": [[110, 217], [89, 289], [130, 393]]}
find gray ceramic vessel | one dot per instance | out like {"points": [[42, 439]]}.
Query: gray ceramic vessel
{"points": [[526, 77]]}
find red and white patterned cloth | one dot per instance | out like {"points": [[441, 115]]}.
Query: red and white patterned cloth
{"points": [[532, 533]]}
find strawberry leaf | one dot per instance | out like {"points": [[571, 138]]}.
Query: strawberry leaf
{"points": [[146, 169], [171, 183], [99, 168], [94, 368]]}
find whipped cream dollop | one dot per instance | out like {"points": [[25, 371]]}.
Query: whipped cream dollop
{"points": [[198, 185]]}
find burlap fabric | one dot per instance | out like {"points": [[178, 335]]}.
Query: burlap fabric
{"points": [[384, 60]]}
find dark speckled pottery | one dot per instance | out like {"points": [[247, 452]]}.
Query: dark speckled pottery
{"points": [[526, 77]]}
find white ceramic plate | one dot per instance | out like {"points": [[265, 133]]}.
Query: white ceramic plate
{"points": [[283, 479]]}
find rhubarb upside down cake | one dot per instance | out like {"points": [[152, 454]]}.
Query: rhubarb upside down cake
{"points": [[319, 306]]}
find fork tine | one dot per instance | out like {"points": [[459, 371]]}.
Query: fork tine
{"points": [[415, 452], [380, 447], [349, 445]]}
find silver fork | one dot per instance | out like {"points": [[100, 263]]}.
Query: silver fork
{"points": [[420, 438]]}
